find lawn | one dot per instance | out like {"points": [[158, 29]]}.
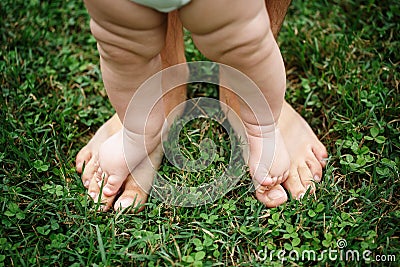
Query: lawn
{"points": [[342, 60]]}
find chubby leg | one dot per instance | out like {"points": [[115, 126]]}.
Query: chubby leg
{"points": [[132, 193], [307, 154], [242, 39], [130, 38]]}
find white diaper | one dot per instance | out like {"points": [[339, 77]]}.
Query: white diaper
{"points": [[163, 5]]}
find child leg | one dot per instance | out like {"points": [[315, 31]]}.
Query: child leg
{"points": [[242, 38], [130, 38]]}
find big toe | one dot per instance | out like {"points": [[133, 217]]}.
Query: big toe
{"points": [[320, 153], [273, 197], [84, 156], [132, 196], [89, 171]]}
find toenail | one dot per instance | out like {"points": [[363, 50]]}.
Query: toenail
{"points": [[86, 184], [103, 208], [324, 161], [317, 178], [274, 194], [92, 195], [126, 202], [107, 190]]}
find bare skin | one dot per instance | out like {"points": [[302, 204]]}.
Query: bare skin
{"points": [[242, 39], [132, 194], [130, 38], [277, 11], [306, 153], [296, 182]]}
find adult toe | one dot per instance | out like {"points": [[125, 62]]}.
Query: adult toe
{"points": [[89, 171], [104, 202], [306, 176], [315, 169], [132, 196], [84, 156], [273, 197], [320, 153], [294, 185]]}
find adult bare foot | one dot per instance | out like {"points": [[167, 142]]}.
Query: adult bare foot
{"points": [[307, 154], [132, 193], [88, 155]]}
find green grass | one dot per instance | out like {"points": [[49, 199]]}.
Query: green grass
{"points": [[342, 62]]}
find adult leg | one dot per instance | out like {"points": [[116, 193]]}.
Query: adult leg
{"points": [[277, 10]]}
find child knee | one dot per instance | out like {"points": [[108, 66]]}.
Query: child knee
{"points": [[246, 45], [114, 47]]}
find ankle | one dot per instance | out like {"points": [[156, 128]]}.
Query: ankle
{"points": [[260, 130]]}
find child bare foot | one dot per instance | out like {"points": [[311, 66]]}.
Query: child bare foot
{"points": [[307, 154], [88, 155], [132, 193], [271, 172], [135, 187], [307, 159], [269, 159], [120, 154], [130, 37]]}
